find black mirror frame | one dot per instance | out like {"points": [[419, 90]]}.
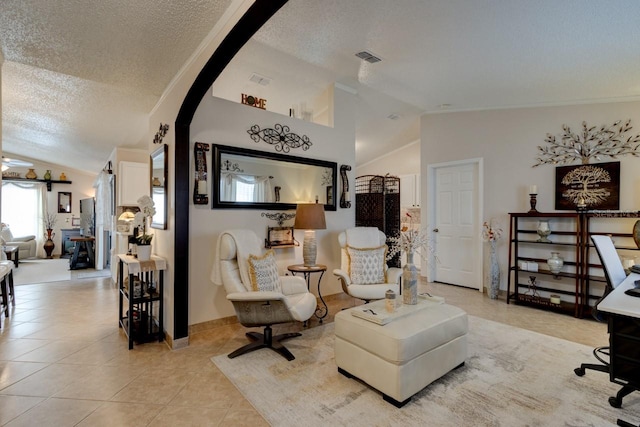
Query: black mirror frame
{"points": [[164, 149], [60, 210], [218, 150]]}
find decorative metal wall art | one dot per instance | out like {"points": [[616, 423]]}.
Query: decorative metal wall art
{"points": [[227, 166], [162, 132], [280, 217], [200, 192], [588, 186], [281, 137], [345, 202], [590, 143]]}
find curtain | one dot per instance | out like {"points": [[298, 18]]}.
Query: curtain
{"points": [[103, 201], [28, 217], [229, 183]]}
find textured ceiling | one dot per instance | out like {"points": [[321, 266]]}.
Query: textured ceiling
{"points": [[80, 77]]}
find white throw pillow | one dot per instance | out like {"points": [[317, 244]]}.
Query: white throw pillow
{"points": [[367, 265], [263, 271]]}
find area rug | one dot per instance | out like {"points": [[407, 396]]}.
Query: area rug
{"points": [[512, 377], [91, 274], [32, 271]]}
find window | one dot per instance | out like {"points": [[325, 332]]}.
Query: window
{"points": [[21, 209]]}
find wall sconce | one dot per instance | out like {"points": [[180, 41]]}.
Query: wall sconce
{"points": [[345, 201]]}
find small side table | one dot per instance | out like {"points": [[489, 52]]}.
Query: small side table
{"points": [[321, 312], [13, 253]]}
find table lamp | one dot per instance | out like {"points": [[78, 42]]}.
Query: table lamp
{"points": [[310, 217]]}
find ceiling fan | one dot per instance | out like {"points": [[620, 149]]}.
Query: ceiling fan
{"points": [[11, 163]]}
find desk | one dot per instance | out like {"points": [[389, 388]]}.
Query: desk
{"points": [[82, 253], [624, 338], [321, 312]]}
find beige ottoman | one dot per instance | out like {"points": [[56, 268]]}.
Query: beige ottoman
{"points": [[403, 356]]}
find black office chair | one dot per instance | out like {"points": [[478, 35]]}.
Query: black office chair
{"points": [[614, 274]]}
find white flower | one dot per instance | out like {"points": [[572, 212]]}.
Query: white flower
{"points": [[147, 210]]}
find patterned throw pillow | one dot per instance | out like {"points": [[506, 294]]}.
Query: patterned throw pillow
{"points": [[263, 272], [366, 265]]}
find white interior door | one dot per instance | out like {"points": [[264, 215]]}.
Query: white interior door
{"points": [[456, 231]]}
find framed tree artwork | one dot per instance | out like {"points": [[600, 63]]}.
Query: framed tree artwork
{"points": [[595, 186]]}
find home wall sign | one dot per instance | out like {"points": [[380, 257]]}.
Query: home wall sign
{"points": [[281, 137], [594, 186], [254, 101]]}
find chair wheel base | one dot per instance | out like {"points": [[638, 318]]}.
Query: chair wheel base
{"points": [[266, 340], [615, 402], [579, 372]]}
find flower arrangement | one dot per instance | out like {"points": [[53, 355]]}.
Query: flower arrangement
{"points": [[490, 231], [49, 221], [147, 210], [408, 240]]}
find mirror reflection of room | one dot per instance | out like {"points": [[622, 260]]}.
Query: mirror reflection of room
{"points": [[64, 202], [247, 179]]}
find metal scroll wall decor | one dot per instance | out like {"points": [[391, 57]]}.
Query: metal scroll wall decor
{"points": [[281, 137], [279, 217], [200, 192], [589, 143], [162, 132], [344, 196]]}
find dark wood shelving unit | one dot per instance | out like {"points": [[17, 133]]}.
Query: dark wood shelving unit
{"points": [[46, 181], [522, 244]]}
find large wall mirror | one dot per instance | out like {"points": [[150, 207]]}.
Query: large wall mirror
{"points": [[158, 169], [251, 179], [64, 202]]}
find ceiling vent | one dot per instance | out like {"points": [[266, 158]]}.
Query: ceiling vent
{"points": [[261, 80], [368, 56], [393, 116]]}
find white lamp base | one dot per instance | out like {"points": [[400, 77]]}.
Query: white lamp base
{"points": [[309, 248]]}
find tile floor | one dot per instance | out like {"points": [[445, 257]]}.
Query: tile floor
{"points": [[64, 362]]}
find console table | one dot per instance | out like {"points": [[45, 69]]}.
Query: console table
{"points": [[624, 338], [143, 289]]}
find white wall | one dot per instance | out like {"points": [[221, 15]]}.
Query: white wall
{"points": [[225, 122], [508, 141], [403, 161]]}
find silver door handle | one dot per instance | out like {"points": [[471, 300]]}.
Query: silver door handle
{"points": [[435, 230]]}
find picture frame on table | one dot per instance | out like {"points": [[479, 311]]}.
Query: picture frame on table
{"points": [[280, 237]]}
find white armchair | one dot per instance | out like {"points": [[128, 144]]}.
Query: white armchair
{"points": [[365, 238], [289, 301], [26, 244]]}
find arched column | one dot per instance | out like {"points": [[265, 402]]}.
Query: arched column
{"points": [[259, 13]]}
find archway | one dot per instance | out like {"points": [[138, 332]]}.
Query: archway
{"points": [[259, 13]]}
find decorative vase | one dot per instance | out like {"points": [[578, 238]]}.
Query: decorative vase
{"points": [[555, 263], [410, 281], [31, 174], [63, 177], [48, 244], [47, 174], [494, 272], [144, 252], [543, 231], [636, 233]]}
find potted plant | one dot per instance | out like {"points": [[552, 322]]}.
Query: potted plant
{"points": [[143, 240]]}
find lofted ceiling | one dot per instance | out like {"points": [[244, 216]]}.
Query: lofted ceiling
{"points": [[80, 77]]}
